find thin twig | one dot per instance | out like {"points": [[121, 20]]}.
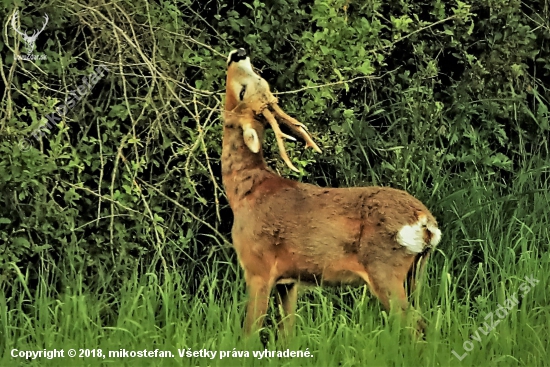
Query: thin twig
{"points": [[369, 77]]}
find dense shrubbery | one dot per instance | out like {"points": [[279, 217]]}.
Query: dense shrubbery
{"points": [[441, 98]]}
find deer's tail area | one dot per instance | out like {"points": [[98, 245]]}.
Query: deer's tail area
{"points": [[417, 271]]}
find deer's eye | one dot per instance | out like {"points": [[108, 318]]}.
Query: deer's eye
{"points": [[243, 91]]}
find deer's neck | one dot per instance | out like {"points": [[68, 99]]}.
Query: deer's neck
{"points": [[242, 170]]}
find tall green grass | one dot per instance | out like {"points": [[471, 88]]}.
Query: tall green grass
{"points": [[492, 240]]}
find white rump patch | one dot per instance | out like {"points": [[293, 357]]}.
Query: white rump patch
{"points": [[436, 235], [251, 139], [412, 236]]}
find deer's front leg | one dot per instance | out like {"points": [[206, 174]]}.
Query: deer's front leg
{"points": [[259, 289]]}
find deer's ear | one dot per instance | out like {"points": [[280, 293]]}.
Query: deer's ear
{"points": [[251, 138]]}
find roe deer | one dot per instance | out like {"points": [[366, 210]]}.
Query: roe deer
{"points": [[285, 232]]}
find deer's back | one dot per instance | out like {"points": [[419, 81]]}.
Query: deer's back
{"points": [[310, 229]]}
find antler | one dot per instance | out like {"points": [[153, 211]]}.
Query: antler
{"points": [[14, 25], [296, 126], [43, 26], [279, 135]]}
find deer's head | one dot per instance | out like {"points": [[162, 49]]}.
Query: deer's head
{"points": [[248, 96]]}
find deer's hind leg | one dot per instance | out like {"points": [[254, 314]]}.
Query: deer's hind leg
{"points": [[386, 281], [387, 284], [417, 272]]}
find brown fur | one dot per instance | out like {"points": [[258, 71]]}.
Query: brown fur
{"points": [[286, 231]]}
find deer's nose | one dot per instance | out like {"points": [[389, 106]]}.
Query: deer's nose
{"points": [[241, 52], [236, 56]]}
